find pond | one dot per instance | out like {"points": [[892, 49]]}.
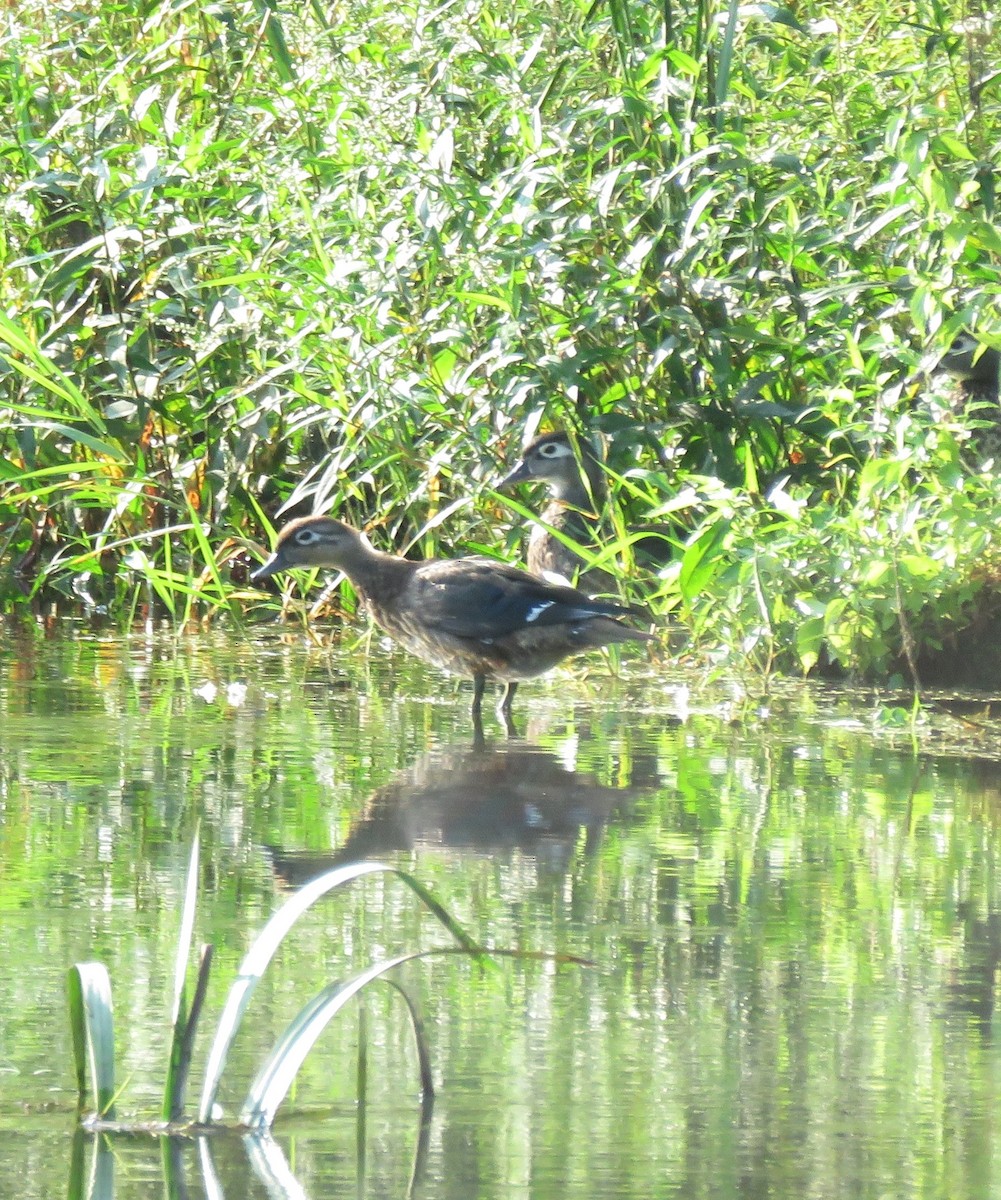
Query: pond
{"points": [[791, 907]]}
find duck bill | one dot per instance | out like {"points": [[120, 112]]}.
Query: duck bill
{"points": [[267, 569], [521, 474]]}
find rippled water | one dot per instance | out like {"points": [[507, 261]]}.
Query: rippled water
{"points": [[791, 906]]}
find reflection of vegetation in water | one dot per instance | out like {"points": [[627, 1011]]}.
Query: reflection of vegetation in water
{"points": [[441, 234], [91, 1011], [791, 908], [96, 1160]]}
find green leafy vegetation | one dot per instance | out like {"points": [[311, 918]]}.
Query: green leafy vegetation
{"points": [[256, 262]]}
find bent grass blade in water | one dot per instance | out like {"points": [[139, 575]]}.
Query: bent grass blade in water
{"points": [[263, 950], [91, 1007], [183, 1021], [278, 1073], [93, 1029]]}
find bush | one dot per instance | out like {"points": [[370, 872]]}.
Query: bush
{"points": [[255, 264]]}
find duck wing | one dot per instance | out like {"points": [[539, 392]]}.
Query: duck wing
{"points": [[484, 599]]}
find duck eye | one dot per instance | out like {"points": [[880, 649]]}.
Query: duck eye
{"points": [[305, 536], [549, 450]]}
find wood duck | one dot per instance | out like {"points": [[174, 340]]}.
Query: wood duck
{"points": [[977, 371], [971, 362], [474, 616], [577, 496]]}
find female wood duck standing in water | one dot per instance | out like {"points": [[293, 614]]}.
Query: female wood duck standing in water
{"points": [[474, 617], [577, 496]]}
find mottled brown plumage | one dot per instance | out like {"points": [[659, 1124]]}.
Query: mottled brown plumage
{"points": [[474, 617], [578, 496]]}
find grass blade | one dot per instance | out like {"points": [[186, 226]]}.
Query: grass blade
{"points": [[75, 1184], [270, 938], [275, 34], [423, 1055], [179, 1062], [725, 65], [186, 930], [269, 1164], [276, 1076], [41, 420], [210, 1177], [34, 364], [92, 1023]]}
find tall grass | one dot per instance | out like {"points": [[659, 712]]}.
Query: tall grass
{"points": [[255, 263]]}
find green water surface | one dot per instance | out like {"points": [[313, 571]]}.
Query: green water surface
{"points": [[793, 913]]}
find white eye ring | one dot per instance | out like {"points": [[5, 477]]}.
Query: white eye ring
{"points": [[305, 536]]}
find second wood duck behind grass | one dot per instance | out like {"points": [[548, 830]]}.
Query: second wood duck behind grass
{"points": [[577, 496], [474, 617], [976, 368]]}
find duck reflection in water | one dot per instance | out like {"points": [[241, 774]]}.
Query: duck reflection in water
{"points": [[485, 800]]}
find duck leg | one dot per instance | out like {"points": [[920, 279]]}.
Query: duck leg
{"points": [[504, 708], [479, 683]]}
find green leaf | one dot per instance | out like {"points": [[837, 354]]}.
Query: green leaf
{"points": [[881, 475], [809, 642], [919, 566], [485, 299], [274, 32], [701, 560], [875, 572]]}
